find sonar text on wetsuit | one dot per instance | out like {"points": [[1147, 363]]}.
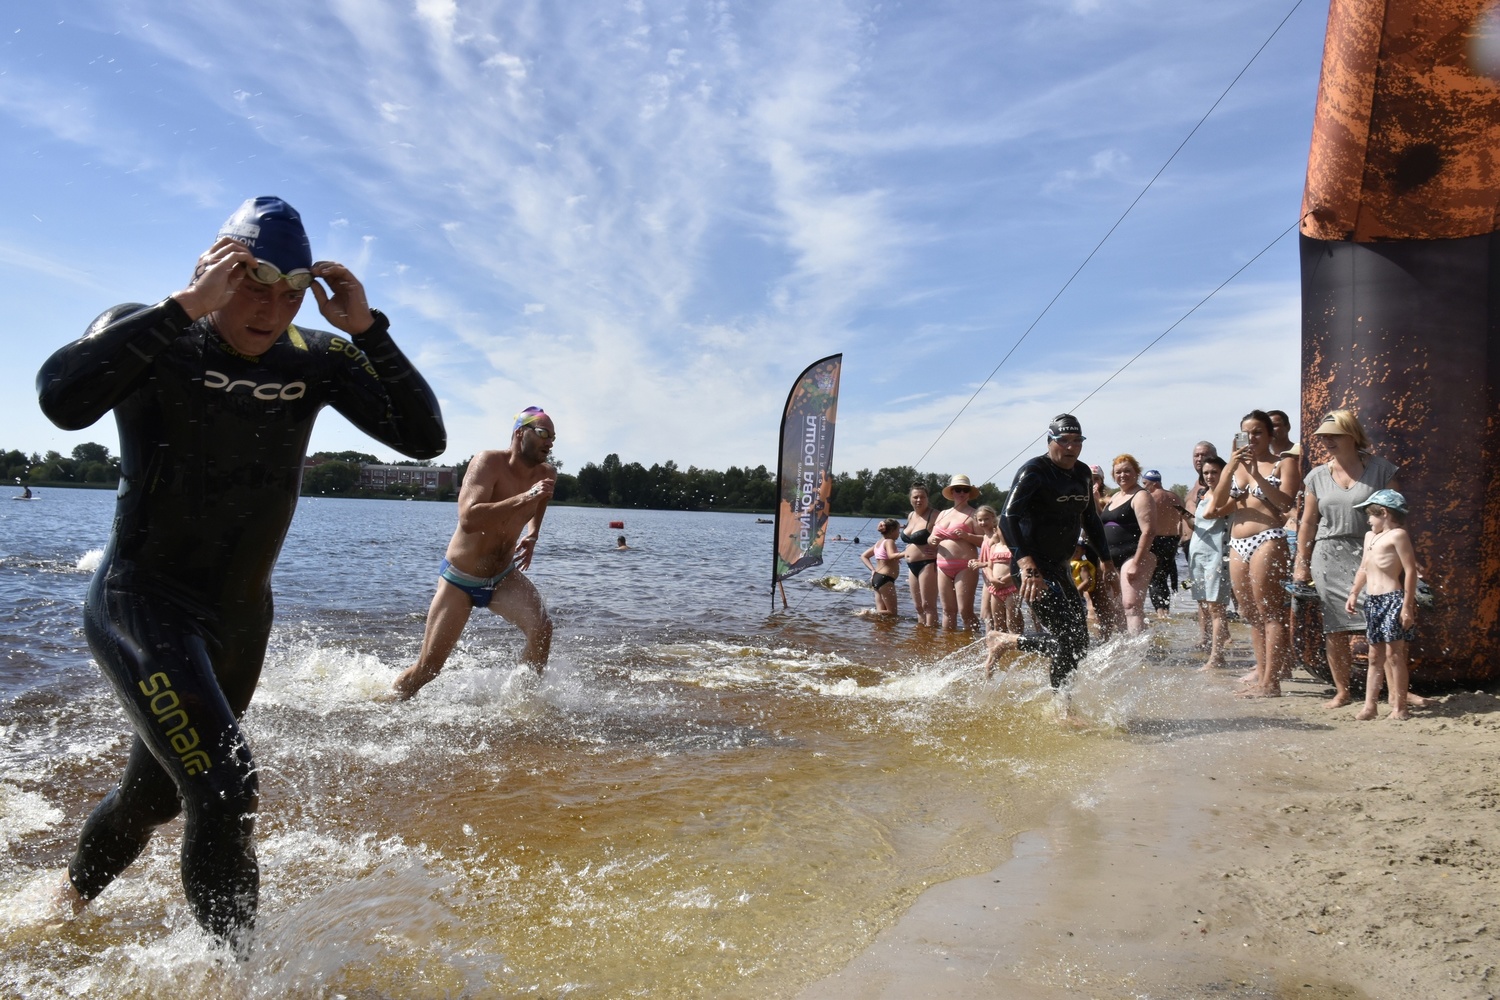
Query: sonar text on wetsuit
{"points": [[178, 614], [1043, 514]]}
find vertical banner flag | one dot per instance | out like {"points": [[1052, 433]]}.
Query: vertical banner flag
{"points": [[804, 474]]}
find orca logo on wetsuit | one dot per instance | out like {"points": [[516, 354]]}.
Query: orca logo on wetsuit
{"points": [[1075, 498], [266, 390]]}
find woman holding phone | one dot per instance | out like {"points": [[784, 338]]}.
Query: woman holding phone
{"points": [[1256, 498]]}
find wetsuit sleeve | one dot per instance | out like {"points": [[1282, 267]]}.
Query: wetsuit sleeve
{"points": [[380, 392], [86, 379], [1013, 517]]}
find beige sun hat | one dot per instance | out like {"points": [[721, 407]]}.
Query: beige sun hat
{"points": [[1338, 422], [959, 481]]}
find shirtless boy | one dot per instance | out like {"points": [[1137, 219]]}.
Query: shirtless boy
{"points": [[504, 494], [1389, 572]]}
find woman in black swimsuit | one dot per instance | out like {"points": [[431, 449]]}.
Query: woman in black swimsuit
{"points": [[1128, 527], [921, 574]]}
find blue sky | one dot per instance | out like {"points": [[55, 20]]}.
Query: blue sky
{"points": [[647, 217]]}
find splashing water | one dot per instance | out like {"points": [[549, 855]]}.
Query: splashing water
{"points": [[745, 799]]}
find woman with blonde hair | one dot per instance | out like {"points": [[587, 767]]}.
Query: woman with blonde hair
{"points": [[1330, 539], [1128, 527], [1256, 497]]}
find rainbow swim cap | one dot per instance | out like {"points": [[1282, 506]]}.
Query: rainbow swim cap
{"points": [[530, 415], [272, 231]]}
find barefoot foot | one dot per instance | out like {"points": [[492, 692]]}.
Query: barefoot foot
{"points": [[1337, 701], [1367, 713]]}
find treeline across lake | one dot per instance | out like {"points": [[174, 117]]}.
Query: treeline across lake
{"points": [[90, 463], [613, 483]]}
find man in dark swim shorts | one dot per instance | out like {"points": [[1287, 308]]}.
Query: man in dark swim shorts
{"points": [[1050, 500], [215, 393], [500, 510]]}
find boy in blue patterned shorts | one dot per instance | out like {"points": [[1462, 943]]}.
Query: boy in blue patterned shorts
{"points": [[1389, 570]]}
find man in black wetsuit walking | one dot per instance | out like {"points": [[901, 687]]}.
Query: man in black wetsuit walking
{"points": [[1050, 502], [215, 393]]}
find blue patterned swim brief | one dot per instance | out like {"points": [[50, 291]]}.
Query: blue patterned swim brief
{"points": [[1383, 618]]}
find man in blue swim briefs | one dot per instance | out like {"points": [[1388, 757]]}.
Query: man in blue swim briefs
{"points": [[500, 509]]}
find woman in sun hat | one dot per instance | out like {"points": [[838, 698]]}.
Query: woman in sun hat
{"points": [[958, 539], [1330, 539]]}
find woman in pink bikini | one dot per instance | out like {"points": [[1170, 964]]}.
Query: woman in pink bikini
{"points": [[921, 556], [958, 540], [1257, 498]]}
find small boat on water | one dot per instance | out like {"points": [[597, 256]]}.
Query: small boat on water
{"points": [[765, 520]]}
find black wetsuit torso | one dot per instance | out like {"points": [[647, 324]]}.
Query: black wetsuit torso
{"points": [[1047, 507], [212, 446]]}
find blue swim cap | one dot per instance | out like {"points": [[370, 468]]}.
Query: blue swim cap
{"points": [[1152, 475], [272, 231]]}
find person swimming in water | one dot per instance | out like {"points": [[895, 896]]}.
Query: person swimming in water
{"points": [[215, 393], [500, 510]]}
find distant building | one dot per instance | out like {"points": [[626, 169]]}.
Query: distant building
{"points": [[429, 479]]}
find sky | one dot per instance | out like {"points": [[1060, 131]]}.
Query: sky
{"points": [[649, 216]]}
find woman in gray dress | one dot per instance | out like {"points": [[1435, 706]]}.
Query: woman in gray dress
{"points": [[1208, 561], [1330, 539]]}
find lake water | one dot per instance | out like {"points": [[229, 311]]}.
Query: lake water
{"points": [[702, 797]]}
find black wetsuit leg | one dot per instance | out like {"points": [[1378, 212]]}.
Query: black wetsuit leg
{"points": [[1059, 609], [1163, 577], [184, 678]]}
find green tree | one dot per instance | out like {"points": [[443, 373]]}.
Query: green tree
{"points": [[91, 452], [357, 457], [331, 478]]}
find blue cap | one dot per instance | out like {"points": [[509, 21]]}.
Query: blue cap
{"points": [[272, 231], [1152, 475], [1389, 499]]}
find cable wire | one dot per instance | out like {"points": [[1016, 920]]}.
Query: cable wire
{"points": [[1097, 246]]}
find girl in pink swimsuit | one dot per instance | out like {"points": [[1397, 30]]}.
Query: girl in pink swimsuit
{"points": [[958, 538], [883, 560], [999, 603]]}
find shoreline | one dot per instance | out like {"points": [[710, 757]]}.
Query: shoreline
{"points": [[1245, 848]]}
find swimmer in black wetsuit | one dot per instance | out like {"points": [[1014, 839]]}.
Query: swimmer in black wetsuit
{"points": [[1050, 500], [215, 394]]}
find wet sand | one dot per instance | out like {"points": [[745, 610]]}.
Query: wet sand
{"points": [[1266, 848]]}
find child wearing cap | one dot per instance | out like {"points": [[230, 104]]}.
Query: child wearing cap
{"points": [[1389, 571]]}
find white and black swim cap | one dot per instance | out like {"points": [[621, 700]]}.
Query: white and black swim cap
{"points": [[272, 231], [1064, 423]]}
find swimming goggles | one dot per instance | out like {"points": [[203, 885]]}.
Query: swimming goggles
{"points": [[268, 274], [544, 433]]}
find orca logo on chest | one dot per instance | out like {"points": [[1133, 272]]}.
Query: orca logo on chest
{"points": [[260, 390]]}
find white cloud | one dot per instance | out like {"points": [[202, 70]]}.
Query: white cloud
{"points": [[660, 207]]}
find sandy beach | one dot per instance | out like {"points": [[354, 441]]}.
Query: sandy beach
{"points": [[1266, 848]]}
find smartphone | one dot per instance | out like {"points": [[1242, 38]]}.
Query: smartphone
{"points": [[1241, 440]]}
